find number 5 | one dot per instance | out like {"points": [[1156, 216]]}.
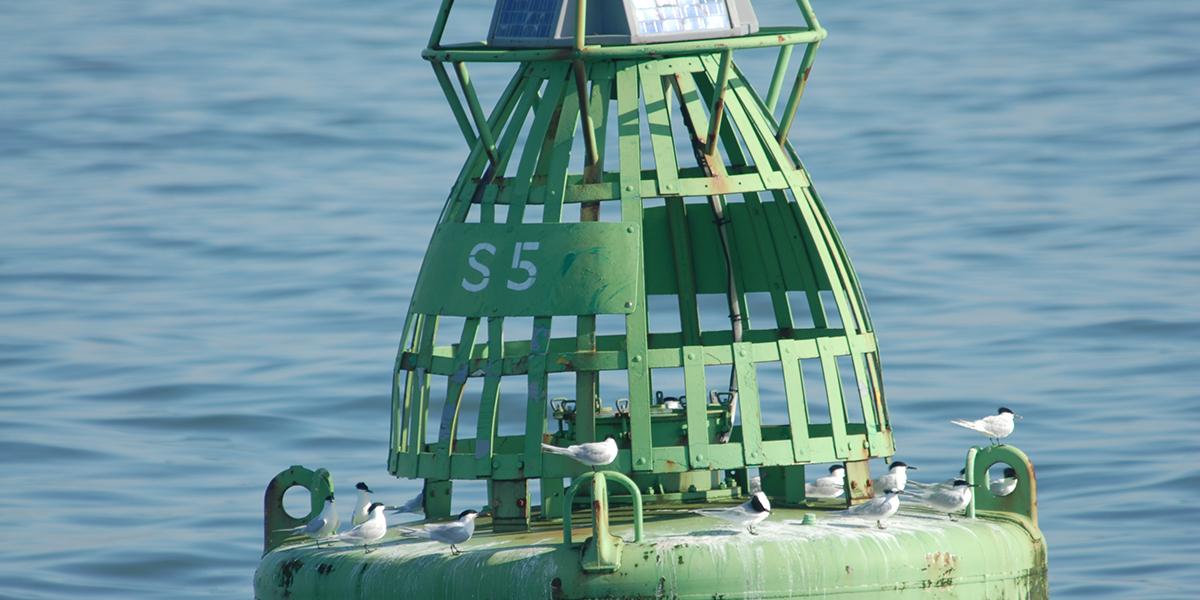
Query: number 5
{"points": [[529, 267]]}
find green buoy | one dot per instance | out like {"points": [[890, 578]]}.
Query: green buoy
{"points": [[687, 197]]}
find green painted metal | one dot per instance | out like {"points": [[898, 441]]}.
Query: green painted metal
{"points": [[526, 235], [277, 523], [798, 553], [529, 269], [491, 257]]}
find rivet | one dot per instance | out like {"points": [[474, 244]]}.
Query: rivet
{"points": [[698, 458], [641, 461], [636, 359], [691, 356], [630, 229], [629, 188], [628, 305], [510, 227]]}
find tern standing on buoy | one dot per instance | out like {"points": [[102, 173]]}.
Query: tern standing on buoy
{"points": [[368, 531], [592, 454], [995, 427], [323, 524], [896, 478], [453, 533], [832, 485], [364, 503], [949, 500], [747, 514], [878, 508]]}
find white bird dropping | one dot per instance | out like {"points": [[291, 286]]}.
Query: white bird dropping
{"points": [[896, 478], [950, 500], [877, 508], [364, 503], [368, 531], [994, 427], [323, 524], [832, 485], [592, 454], [453, 533], [747, 514]]}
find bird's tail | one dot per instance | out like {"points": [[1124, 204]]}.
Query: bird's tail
{"points": [[421, 533], [967, 424], [555, 450], [412, 506]]}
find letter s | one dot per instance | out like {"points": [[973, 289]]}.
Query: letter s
{"points": [[483, 270]]}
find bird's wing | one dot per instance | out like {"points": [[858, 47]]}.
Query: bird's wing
{"points": [[450, 533]]}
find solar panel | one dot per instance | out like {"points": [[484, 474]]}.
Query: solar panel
{"points": [[531, 19], [669, 16]]}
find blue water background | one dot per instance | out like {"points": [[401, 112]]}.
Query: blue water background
{"points": [[212, 214]]}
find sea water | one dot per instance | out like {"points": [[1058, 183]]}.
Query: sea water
{"points": [[212, 214]]}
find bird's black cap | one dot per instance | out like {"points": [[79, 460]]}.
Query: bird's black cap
{"points": [[1010, 472], [900, 464], [362, 486], [1004, 410], [467, 512], [375, 505], [329, 498], [757, 503], [836, 467]]}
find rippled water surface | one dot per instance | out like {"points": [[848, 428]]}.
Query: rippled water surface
{"points": [[212, 213]]}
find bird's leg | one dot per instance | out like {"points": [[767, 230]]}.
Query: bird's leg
{"points": [[879, 523], [951, 517], [367, 549]]}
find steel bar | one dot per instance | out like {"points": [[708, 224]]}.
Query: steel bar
{"points": [[460, 115], [481, 122], [789, 114], [718, 104], [439, 25], [767, 37], [781, 65]]}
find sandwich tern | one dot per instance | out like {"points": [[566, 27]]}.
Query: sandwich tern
{"points": [[941, 485], [994, 426], [592, 454], [416, 505], [360, 509], [896, 478], [878, 508], [1005, 485], [747, 514], [325, 523], [368, 531], [453, 533], [832, 485], [949, 500]]}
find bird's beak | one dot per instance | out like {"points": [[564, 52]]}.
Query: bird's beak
{"points": [[913, 469], [1018, 416]]}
